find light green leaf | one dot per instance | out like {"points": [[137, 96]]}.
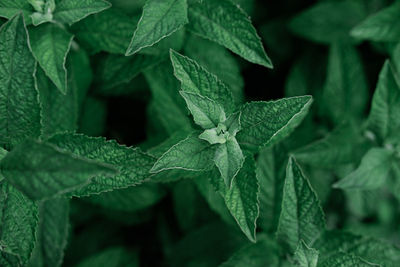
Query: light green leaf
{"points": [[71, 11], [229, 160], [305, 256], [50, 46], [265, 123], [39, 18], [52, 233], [10, 8], [192, 154], [132, 164], [206, 112], [343, 259], [112, 257], [108, 31], [18, 221], [19, 107], [42, 171], [385, 111], [381, 26], [160, 19], [242, 198], [196, 79], [335, 17], [346, 89], [224, 22], [301, 216], [372, 172], [214, 136]]}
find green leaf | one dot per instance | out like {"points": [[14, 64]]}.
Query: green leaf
{"points": [[50, 46], [382, 26], [242, 198], [342, 259], [132, 164], [305, 256], [225, 23], [385, 111], [52, 233], [18, 224], [112, 257], [196, 79], [335, 17], [108, 31], [229, 160], [372, 172], [10, 8], [206, 112], [160, 19], [265, 123], [301, 216], [71, 11], [19, 107], [192, 154], [346, 89], [42, 171]]}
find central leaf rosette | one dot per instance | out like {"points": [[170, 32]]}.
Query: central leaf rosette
{"points": [[44, 11]]}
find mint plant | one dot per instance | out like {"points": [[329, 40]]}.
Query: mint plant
{"points": [[161, 133]]}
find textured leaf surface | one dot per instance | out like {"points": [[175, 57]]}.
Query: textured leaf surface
{"points": [[227, 24], [372, 172], [191, 154], [52, 233], [41, 171], [50, 46], [18, 224], [196, 79], [132, 164], [10, 8], [382, 26], [264, 123], [19, 107], [301, 217], [385, 111], [305, 256], [206, 112], [71, 11], [160, 19], [242, 198], [112, 257], [342, 259]]}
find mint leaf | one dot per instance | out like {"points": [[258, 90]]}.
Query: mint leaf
{"points": [[229, 160], [265, 123], [196, 79], [224, 22], [381, 26], [18, 221], [19, 107], [372, 172], [190, 154], [383, 118], [50, 46], [10, 8], [342, 259], [42, 171], [346, 90], [71, 11], [242, 198], [160, 19], [301, 217], [305, 256], [52, 233], [112, 257], [108, 31], [132, 164], [206, 112]]}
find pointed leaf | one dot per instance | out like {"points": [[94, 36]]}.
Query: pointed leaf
{"points": [[10, 8], [224, 22], [41, 170], [301, 217], [192, 154], [19, 107], [265, 123], [372, 172], [71, 11], [160, 19], [305, 256]]}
